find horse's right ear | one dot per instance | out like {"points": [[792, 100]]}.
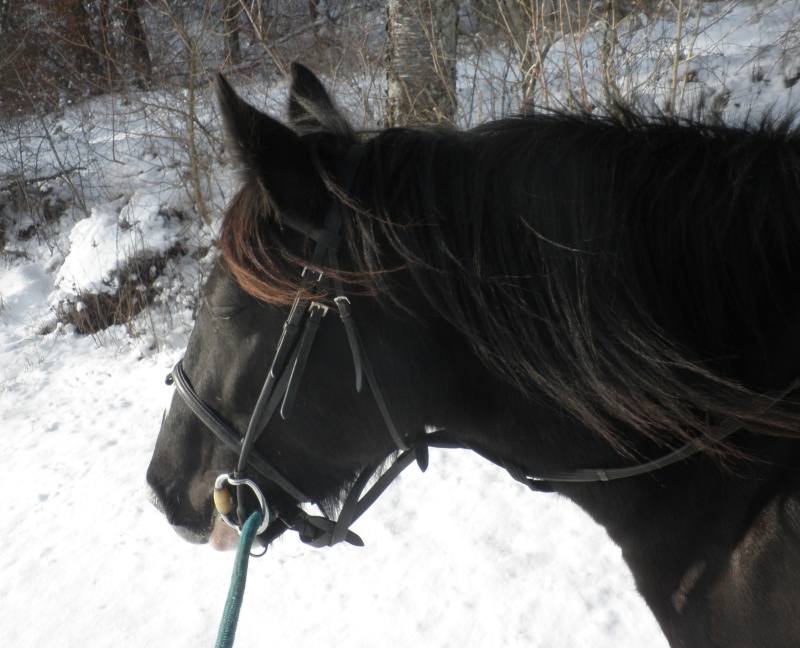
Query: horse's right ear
{"points": [[269, 152], [311, 108]]}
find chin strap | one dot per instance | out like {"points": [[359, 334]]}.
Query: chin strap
{"points": [[322, 532]]}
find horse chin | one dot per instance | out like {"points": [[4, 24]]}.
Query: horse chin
{"points": [[192, 535], [223, 537]]}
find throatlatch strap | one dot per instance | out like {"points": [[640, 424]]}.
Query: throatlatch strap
{"points": [[377, 393]]}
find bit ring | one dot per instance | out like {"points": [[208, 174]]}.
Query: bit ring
{"points": [[219, 485]]}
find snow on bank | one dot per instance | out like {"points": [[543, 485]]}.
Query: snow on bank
{"points": [[114, 231], [735, 60], [460, 556]]}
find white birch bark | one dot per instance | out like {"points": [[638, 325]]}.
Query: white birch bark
{"points": [[421, 61]]}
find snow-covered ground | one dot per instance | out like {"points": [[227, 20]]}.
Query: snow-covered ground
{"points": [[461, 556]]}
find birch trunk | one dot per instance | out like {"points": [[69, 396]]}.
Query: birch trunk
{"points": [[421, 61]]}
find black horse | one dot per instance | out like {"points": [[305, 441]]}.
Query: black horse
{"points": [[566, 295]]}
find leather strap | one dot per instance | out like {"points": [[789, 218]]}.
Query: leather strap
{"points": [[228, 435], [588, 475], [317, 312]]}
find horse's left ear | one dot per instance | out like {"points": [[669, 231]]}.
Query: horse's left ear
{"points": [[311, 109], [270, 153]]}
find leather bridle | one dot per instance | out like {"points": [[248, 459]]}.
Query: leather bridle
{"points": [[279, 391]]}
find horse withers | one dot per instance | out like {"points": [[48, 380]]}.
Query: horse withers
{"points": [[606, 306]]}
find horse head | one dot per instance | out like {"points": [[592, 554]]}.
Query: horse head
{"points": [[276, 255]]}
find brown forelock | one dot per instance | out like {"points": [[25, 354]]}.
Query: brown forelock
{"points": [[255, 249], [262, 267]]}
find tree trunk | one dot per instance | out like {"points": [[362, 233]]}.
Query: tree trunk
{"points": [[89, 61], [5, 16], [230, 21], [421, 61], [104, 45], [134, 31]]}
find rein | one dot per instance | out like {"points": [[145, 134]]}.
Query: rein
{"points": [[233, 603]]}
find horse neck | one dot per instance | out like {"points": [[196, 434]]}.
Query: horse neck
{"points": [[620, 305], [702, 539], [699, 537]]}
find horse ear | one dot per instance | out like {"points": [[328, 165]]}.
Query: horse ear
{"points": [[310, 107], [270, 153]]}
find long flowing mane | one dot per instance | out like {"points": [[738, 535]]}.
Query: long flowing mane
{"points": [[634, 271]]}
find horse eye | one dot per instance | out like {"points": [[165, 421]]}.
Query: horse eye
{"points": [[225, 311]]}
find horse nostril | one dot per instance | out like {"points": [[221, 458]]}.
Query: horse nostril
{"points": [[155, 500], [165, 495]]}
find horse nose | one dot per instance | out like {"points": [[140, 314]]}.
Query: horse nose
{"points": [[157, 501], [164, 494], [163, 503]]}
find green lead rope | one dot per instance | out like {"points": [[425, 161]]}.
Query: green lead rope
{"points": [[233, 605]]}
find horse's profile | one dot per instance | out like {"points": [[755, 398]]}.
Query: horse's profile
{"points": [[573, 297]]}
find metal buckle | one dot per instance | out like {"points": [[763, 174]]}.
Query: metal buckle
{"points": [[219, 485], [316, 304], [307, 270]]}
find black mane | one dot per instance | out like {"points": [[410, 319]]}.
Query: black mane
{"points": [[632, 270], [616, 264]]}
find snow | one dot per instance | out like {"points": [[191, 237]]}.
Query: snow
{"points": [[114, 231], [460, 556], [736, 59]]}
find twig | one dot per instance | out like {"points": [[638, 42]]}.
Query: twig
{"points": [[60, 174]]}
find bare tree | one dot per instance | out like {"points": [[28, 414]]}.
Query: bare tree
{"points": [[230, 22], [421, 61], [115, 36], [134, 33]]}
